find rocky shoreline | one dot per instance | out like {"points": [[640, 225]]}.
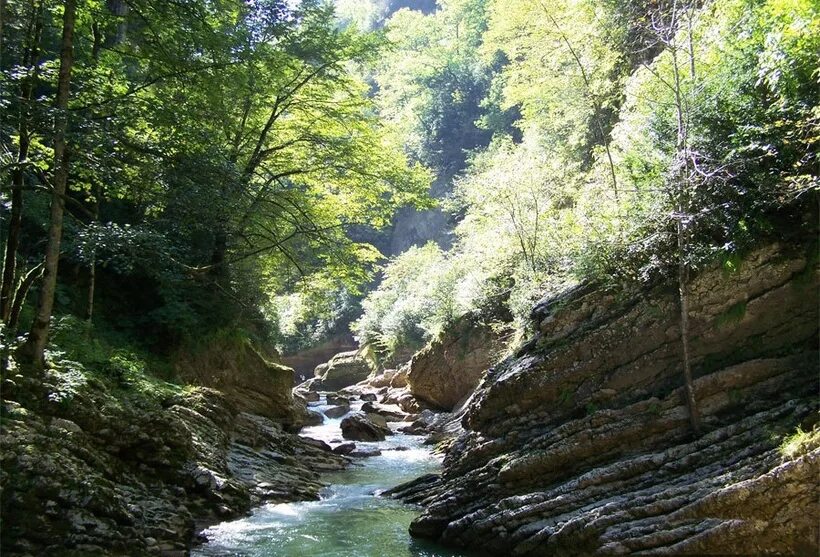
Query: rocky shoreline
{"points": [[95, 476]]}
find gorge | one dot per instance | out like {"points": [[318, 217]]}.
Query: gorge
{"points": [[409, 278]]}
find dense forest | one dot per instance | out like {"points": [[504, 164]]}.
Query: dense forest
{"points": [[183, 178], [205, 166]]}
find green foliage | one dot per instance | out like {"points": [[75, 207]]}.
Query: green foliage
{"points": [[110, 355], [589, 187], [310, 313], [749, 136], [800, 443], [433, 83], [229, 147], [232, 148], [413, 303]]}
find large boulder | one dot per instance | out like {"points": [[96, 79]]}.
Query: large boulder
{"points": [[451, 366], [360, 427], [342, 370]]}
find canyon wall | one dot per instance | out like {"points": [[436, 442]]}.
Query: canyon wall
{"points": [[581, 444]]}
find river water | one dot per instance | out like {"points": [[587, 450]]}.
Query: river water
{"points": [[350, 520]]}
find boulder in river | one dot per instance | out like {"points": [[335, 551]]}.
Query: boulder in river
{"points": [[307, 395], [343, 369], [390, 414], [318, 443], [336, 398], [364, 453], [337, 411], [311, 417], [368, 397], [361, 427], [344, 448]]}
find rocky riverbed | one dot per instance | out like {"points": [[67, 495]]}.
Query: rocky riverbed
{"points": [[350, 519]]}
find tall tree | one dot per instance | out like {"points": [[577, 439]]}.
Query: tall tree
{"points": [[34, 349]]}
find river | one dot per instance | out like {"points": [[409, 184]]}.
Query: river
{"points": [[350, 520]]}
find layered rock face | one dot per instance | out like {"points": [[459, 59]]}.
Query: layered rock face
{"points": [[84, 474], [450, 367], [581, 444]]}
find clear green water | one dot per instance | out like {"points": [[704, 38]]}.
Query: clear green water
{"points": [[351, 520]]}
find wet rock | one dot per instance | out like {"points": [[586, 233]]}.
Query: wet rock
{"points": [[377, 419], [390, 414], [361, 427], [335, 398], [313, 417], [344, 448], [365, 453], [337, 411], [307, 395], [404, 399], [424, 423], [318, 443], [368, 397]]}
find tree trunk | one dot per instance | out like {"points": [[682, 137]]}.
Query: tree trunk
{"points": [[33, 351], [92, 272], [683, 179], [12, 243], [20, 296], [2, 26], [683, 289]]}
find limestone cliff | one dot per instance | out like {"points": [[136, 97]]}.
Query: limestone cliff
{"points": [[581, 443], [450, 367]]}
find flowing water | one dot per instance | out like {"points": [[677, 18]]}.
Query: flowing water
{"points": [[350, 520]]}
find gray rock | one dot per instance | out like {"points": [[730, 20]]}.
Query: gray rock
{"points": [[391, 414], [342, 370], [318, 443], [337, 399], [344, 448], [365, 453], [337, 411], [361, 427]]}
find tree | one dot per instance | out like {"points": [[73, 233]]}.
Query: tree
{"points": [[30, 60], [33, 351], [219, 151]]}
